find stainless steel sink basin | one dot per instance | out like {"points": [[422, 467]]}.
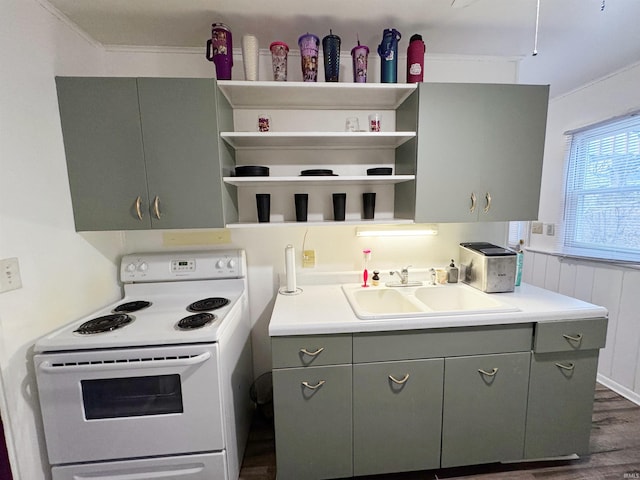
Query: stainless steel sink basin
{"points": [[423, 301]]}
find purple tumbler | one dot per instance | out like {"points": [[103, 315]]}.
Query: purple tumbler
{"points": [[220, 50], [309, 45]]}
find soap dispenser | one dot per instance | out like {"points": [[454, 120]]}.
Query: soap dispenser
{"points": [[452, 273]]}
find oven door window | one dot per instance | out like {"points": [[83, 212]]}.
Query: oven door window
{"points": [[132, 396]]}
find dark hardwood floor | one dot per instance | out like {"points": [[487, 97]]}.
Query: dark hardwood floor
{"points": [[615, 452]]}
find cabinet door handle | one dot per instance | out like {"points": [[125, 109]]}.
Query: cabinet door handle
{"points": [[571, 366], [313, 387], [489, 374], [156, 207], [473, 202], [399, 382], [311, 354], [576, 338], [487, 206], [139, 208]]}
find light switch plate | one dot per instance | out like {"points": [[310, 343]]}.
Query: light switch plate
{"points": [[9, 275]]}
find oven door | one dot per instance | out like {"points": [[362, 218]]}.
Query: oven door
{"points": [[124, 403]]}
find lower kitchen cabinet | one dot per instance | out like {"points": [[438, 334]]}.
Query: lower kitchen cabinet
{"points": [[383, 402], [560, 403], [485, 406], [397, 416], [313, 418]]}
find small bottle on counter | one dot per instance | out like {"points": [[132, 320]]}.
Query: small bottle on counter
{"points": [[375, 280], [519, 262], [452, 273]]}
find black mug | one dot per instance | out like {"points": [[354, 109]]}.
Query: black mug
{"points": [[301, 201], [263, 202]]}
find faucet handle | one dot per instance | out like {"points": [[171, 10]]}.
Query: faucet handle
{"points": [[406, 269]]}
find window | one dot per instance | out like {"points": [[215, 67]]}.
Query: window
{"points": [[602, 196]]}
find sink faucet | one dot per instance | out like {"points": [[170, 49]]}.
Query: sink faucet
{"points": [[404, 275]]}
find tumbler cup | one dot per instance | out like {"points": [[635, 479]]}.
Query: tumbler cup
{"points": [[368, 205], [301, 201], [309, 45], [339, 206], [360, 55], [250, 57], [279, 52], [415, 59], [331, 51], [263, 204], [220, 50]]}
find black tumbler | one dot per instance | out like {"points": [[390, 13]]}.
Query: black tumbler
{"points": [[331, 50], [263, 202], [339, 205], [302, 201], [368, 205]]}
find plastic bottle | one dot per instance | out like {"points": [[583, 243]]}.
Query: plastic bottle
{"points": [[388, 51], [452, 273], [415, 59], [375, 280], [519, 262]]}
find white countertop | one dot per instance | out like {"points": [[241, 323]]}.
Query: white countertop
{"points": [[324, 309]]}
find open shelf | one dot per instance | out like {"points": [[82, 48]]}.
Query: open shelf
{"points": [[315, 181], [315, 95], [386, 221], [324, 140]]}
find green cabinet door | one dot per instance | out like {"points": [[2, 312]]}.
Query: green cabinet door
{"points": [[397, 416], [105, 159], [180, 133], [560, 403], [313, 422], [479, 152], [484, 410]]}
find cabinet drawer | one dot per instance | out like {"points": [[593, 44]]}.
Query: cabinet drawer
{"points": [[441, 342], [310, 350], [570, 335]]}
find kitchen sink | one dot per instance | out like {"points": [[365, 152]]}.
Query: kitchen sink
{"points": [[422, 301]]}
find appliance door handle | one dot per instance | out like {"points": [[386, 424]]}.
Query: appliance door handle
{"points": [[49, 367], [172, 471]]}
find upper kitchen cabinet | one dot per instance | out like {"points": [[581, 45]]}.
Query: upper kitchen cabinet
{"points": [[144, 153], [478, 152]]}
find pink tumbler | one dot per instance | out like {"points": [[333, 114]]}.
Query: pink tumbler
{"points": [[220, 50], [360, 55], [415, 59], [279, 51]]}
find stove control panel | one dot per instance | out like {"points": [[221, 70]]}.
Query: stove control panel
{"points": [[165, 266]]}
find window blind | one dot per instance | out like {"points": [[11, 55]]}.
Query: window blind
{"points": [[602, 192]]}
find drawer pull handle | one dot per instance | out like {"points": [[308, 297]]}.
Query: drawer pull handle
{"points": [[399, 382], [313, 387], [571, 366], [577, 338], [489, 374], [311, 354]]}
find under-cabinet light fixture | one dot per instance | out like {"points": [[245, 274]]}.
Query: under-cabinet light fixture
{"points": [[397, 230]]}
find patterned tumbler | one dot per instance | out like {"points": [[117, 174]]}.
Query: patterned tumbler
{"points": [[331, 50], [220, 50], [309, 45]]}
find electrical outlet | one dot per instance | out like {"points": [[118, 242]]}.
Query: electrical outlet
{"points": [[551, 229], [536, 227], [9, 275], [308, 259]]}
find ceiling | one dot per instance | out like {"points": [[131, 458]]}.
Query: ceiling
{"points": [[578, 40]]}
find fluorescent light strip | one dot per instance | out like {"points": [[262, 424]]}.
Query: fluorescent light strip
{"points": [[397, 230]]}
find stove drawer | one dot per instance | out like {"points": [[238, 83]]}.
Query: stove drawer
{"points": [[185, 467]]}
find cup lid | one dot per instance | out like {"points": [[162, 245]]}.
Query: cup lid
{"points": [[282, 44], [353, 50], [220, 25], [315, 37]]}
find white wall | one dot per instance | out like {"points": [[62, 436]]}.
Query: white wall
{"points": [[65, 274], [615, 287]]}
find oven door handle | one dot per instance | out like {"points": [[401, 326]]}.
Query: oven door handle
{"points": [[172, 472], [101, 366]]}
